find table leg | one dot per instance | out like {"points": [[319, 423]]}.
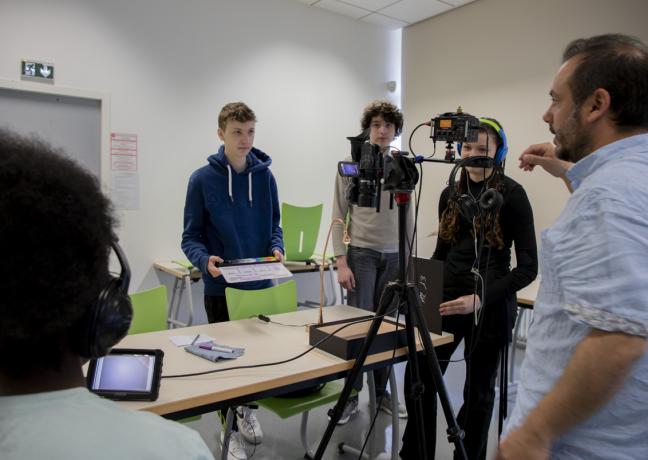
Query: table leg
{"points": [[173, 308], [187, 279]]}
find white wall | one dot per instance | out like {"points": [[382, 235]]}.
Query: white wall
{"points": [[170, 65], [497, 58]]}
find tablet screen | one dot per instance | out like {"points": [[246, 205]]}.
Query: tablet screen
{"points": [[127, 374], [124, 373]]}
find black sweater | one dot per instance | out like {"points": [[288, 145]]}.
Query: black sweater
{"points": [[516, 221]]}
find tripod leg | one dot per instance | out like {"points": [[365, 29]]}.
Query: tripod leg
{"points": [[417, 387], [335, 413], [455, 433]]}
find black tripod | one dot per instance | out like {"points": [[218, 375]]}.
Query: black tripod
{"points": [[409, 305]]}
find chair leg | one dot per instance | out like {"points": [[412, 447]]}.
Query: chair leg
{"points": [[309, 453], [229, 423], [393, 387]]}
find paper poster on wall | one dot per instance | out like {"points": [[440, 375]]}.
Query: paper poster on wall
{"points": [[125, 190], [123, 152], [123, 165]]}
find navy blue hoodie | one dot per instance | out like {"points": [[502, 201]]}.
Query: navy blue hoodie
{"points": [[231, 215]]}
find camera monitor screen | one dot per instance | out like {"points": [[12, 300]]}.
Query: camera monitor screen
{"points": [[127, 374], [348, 169]]}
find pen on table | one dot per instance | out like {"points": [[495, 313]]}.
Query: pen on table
{"points": [[195, 338], [208, 346]]}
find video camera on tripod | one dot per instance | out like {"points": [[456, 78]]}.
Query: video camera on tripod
{"points": [[371, 171]]}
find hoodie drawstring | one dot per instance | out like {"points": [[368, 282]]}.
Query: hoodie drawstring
{"points": [[229, 182], [250, 188], [229, 185]]}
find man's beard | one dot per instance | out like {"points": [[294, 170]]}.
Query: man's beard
{"points": [[573, 139]]}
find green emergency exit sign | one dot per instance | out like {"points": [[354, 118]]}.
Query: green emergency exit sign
{"points": [[36, 70]]}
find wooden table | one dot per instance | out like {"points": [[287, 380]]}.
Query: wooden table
{"points": [[183, 278], [526, 296], [302, 267], [525, 299], [263, 343]]}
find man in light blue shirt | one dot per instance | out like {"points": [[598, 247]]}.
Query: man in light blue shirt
{"points": [[584, 385]]}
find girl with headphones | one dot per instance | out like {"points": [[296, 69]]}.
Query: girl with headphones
{"points": [[481, 216]]}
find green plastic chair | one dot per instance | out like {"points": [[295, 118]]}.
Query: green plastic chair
{"points": [[149, 310], [300, 225], [282, 298], [242, 304], [150, 315]]}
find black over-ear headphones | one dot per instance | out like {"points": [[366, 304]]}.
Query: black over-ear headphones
{"points": [[107, 321], [489, 201]]}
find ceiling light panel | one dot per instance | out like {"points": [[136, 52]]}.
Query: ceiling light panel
{"points": [[415, 10]]}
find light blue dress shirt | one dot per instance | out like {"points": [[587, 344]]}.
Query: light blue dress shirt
{"points": [[594, 265]]}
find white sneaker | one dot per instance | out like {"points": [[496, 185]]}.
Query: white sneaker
{"points": [[350, 409], [236, 449], [248, 425], [386, 406]]}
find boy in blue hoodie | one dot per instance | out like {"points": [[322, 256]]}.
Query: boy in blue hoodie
{"points": [[232, 212]]}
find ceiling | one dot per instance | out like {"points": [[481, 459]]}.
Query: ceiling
{"points": [[391, 14]]}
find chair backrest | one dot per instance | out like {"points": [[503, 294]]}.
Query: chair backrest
{"points": [[243, 304], [300, 227], [149, 310]]}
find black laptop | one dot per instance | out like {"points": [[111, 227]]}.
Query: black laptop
{"points": [[429, 281]]}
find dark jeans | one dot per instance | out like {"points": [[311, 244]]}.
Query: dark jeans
{"points": [[479, 390], [216, 308], [372, 270]]}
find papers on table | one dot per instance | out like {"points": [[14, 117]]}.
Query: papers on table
{"points": [[184, 340], [254, 272]]}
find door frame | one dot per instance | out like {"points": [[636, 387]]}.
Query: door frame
{"points": [[104, 104]]}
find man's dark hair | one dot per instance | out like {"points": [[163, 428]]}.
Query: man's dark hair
{"points": [[617, 63], [56, 228], [385, 109], [237, 111]]}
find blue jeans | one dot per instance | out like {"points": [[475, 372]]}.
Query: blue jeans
{"points": [[372, 270]]}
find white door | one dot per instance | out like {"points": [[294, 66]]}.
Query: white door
{"points": [[72, 124]]}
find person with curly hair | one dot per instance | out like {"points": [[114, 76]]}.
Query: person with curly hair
{"points": [[56, 232], [371, 260], [482, 242]]}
